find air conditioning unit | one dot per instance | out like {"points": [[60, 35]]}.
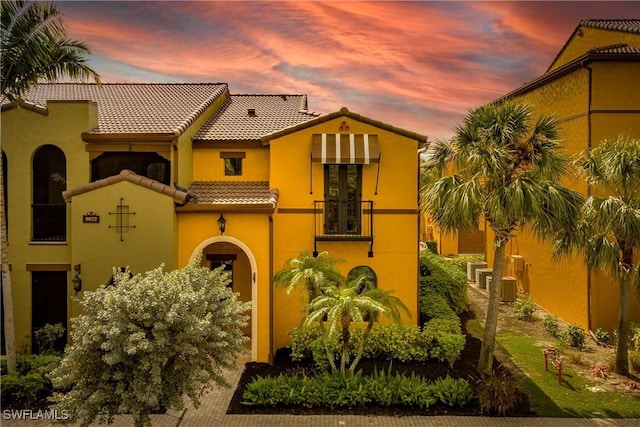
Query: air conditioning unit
{"points": [[481, 277], [508, 288], [518, 263], [472, 267]]}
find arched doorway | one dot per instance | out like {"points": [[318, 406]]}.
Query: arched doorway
{"points": [[240, 264]]}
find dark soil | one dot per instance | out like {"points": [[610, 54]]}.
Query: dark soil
{"points": [[465, 368]]}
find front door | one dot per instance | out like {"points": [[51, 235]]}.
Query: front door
{"points": [[48, 304], [343, 188]]}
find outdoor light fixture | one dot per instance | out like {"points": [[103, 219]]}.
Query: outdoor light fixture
{"points": [[77, 281], [222, 223]]}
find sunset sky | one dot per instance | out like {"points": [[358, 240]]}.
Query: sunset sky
{"points": [[418, 65]]}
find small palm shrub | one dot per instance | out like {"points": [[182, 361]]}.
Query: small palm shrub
{"points": [[575, 336], [602, 336], [524, 310], [550, 323]]}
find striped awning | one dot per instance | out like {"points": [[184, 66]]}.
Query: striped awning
{"points": [[345, 148]]}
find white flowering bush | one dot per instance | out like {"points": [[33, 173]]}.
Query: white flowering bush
{"points": [[145, 343]]}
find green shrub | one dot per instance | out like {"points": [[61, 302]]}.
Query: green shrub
{"points": [[47, 336], [442, 277], [453, 392], [30, 383], [524, 309], [575, 336], [355, 390], [497, 394], [149, 342], [302, 339], [444, 339], [461, 262], [397, 342], [433, 305], [550, 323], [602, 336], [415, 391]]}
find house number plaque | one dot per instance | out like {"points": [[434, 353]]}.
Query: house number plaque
{"points": [[91, 218]]}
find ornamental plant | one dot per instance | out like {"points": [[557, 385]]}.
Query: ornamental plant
{"points": [[144, 344]]}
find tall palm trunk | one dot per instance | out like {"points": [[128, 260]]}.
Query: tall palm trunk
{"points": [[7, 297], [622, 345], [485, 362]]}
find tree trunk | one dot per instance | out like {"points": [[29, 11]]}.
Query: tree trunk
{"points": [[7, 297], [485, 363], [622, 345], [346, 337], [362, 345]]}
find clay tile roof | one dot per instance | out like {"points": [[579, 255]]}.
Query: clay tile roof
{"points": [[133, 107], [234, 122], [127, 175], [234, 193], [616, 48], [626, 25]]}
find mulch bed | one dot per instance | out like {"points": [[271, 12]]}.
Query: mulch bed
{"points": [[465, 368]]}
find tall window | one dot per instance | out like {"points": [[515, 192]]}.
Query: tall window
{"points": [[342, 189], [150, 165], [5, 188], [49, 181]]}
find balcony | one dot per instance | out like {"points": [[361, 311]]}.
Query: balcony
{"points": [[350, 220], [49, 222]]}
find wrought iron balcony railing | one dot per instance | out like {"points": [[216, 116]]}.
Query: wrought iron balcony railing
{"points": [[338, 220]]}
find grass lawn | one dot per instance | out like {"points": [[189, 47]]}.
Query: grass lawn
{"points": [[581, 394], [577, 396]]}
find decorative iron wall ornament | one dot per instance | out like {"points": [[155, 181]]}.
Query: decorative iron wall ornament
{"points": [[122, 218]]}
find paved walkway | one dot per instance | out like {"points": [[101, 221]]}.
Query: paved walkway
{"points": [[211, 413]]}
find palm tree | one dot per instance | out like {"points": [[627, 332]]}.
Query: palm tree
{"points": [[356, 301], [505, 170], [33, 47], [608, 232], [309, 273]]}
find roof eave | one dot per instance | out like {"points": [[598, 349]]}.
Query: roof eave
{"points": [[569, 67], [167, 137], [343, 112], [267, 208]]}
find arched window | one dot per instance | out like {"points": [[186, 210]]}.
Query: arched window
{"points": [[367, 272], [49, 181]]}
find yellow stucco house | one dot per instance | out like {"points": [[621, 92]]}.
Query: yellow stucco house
{"points": [[593, 88], [142, 174]]}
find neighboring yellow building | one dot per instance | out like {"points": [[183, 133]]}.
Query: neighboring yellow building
{"points": [[142, 174], [593, 88]]}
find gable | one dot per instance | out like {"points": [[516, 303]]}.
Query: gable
{"points": [[596, 34]]}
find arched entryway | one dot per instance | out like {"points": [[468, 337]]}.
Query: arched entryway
{"points": [[240, 263]]}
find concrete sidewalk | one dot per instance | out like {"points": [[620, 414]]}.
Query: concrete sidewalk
{"points": [[212, 413]]}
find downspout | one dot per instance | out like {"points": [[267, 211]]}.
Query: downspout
{"points": [[589, 145], [271, 302]]}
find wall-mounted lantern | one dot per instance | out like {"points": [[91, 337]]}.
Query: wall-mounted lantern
{"points": [[77, 280], [222, 224]]}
